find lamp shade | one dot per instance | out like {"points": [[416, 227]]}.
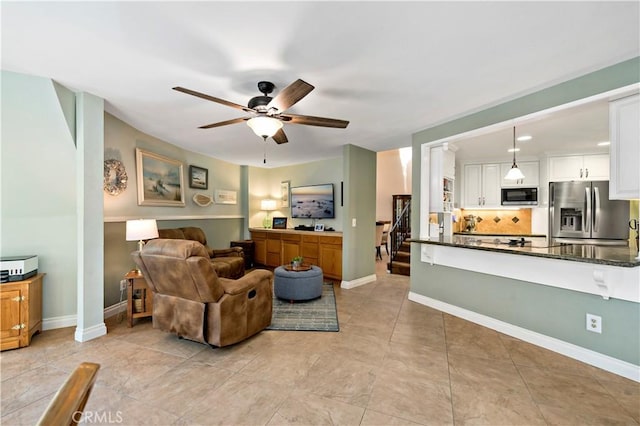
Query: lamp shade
{"points": [[514, 173], [268, 205], [264, 126], [141, 229]]}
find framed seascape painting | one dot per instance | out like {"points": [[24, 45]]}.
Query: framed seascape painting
{"points": [[279, 223], [160, 180], [198, 177]]}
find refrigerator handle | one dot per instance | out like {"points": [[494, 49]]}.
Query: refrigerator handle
{"points": [[552, 197], [596, 209], [586, 218]]}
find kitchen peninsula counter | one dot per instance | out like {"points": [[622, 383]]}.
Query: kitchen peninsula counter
{"points": [[602, 255]]}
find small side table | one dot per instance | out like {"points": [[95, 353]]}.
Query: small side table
{"points": [[137, 286]]}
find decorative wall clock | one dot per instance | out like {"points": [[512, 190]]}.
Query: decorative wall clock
{"points": [[115, 177]]}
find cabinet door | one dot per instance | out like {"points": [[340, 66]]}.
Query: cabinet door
{"points": [[566, 168], [624, 134], [10, 301], [260, 247], [491, 185], [309, 249], [274, 250], [596, 167], [472, 185], [331, 256], [290, 247]]}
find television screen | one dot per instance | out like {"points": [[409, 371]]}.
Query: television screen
{"points": [[312, 201]]}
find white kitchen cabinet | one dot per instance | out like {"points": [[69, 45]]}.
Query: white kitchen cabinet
{"points": [[579, 167], [531, 171], [624, 134], [482, 185]]}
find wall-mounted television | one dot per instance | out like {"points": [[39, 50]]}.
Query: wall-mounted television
{"points": [[312, 202]]}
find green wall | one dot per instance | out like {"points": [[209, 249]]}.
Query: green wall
{"points": [[38, 183], [547, 310]]}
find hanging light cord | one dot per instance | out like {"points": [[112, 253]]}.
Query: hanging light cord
{"points": [[514, 145], [265, 150]]}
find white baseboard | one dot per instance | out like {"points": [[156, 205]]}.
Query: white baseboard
{"points": [[83, 335], [358, 282], [71, 320], [605, 362]]}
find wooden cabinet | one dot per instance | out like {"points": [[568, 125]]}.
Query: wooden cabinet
{"points": [[579, 167], [260, 248], [324, 249], [482, 185], [139, 297], [21, 312], [624, 134], [531, 171]]}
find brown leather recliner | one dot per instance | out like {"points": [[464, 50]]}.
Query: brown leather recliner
{"points": [[228, 263], [190, 300]]}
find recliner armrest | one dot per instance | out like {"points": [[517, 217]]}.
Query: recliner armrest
{"points": [[233, 251], [245, 283]]}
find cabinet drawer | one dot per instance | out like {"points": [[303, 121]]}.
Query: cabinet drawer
{"points": [[258, 235], [291, 237], [271, 236], [331, 240], [309, 238]]}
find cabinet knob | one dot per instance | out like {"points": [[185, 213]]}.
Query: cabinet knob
{"points": [[18, 327], [580, 172], [18, 299], [586, 173]]}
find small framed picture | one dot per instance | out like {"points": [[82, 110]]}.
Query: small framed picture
{"points": [[279, 223], [284, 193], [319, 227], [198, 177]]}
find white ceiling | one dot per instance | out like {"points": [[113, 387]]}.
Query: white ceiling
{"points": [[390, 68]]}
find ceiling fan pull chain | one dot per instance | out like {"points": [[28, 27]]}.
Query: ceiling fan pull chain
{"points": [[265, 151]]}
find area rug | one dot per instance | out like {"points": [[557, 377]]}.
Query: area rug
{"points": [[312, 315]]}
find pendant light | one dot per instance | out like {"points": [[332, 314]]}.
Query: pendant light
{"points": [[514, 172]]}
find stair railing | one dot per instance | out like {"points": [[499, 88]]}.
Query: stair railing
{"points": [[399, 232]]}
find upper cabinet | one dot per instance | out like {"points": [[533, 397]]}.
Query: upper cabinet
{"points": [[531, 171], [482, 185], [624, 134], [579, 167]]}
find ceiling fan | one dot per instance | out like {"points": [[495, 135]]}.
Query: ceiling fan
{"points": [[267, 114]]}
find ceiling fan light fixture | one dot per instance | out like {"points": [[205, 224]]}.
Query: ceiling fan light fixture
{"points": [[264, 126], [514, 172]]}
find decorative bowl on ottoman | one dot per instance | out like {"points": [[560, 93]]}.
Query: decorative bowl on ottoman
{"points": [[298, 285]]}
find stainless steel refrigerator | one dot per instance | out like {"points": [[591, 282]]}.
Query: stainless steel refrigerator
{"points": [[581, 212]]}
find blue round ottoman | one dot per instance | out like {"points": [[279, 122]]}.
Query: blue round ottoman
{"points": [[297, 285]]}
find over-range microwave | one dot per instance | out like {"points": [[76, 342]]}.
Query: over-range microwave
{"points": [[519, 196]]}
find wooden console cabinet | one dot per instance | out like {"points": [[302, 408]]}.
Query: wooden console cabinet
{"points": [[21, 313], [276, 247]]}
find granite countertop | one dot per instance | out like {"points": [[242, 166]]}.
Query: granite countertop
{"points": [[481, 234], [604, 255]]}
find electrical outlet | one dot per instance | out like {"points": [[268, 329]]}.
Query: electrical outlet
{"points": [[123, 285], [594, 323], [353, 222]]}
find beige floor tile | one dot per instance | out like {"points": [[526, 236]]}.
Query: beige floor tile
{"points": [[427, 333], [484, 375], [27, 415], [471, 339], [374, 418], [310, 409], [241, 400], [566, 396], [411, 398], [360, 347], [526, 354], [340, 378], [419, 361], [24, 389], [625, 391], [576, 416], [474, 406]]}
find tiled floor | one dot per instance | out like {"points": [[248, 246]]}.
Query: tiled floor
{"points": [[394, 362]]}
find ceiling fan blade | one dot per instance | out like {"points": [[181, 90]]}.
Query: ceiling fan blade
{"points": [[213, 99], [314, 121], [280, 137], [290, 95], [224, 123]]}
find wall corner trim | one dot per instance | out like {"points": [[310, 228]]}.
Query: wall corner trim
{"points": [[358, 282]]}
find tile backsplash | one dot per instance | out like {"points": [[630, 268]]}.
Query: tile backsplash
{"points": [[496, 221]]}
